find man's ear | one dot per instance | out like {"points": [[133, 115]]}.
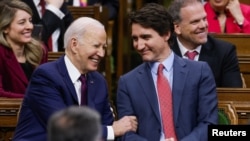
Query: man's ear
{"points": [[177, 28], [167, 36], [74, 44]]}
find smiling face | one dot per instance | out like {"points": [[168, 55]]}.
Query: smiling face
{"points": [[20, 29], [149, 44], [193, 28], [90, 49]]}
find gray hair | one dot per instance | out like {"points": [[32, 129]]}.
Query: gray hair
{"points": [[79, 27], [175, 8]]}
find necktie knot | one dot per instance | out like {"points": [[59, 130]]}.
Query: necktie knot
{"points": [[160, 69], [83, 78], [191, 54]]}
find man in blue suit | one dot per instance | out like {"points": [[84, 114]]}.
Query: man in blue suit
{"points": [[56, 85], [194, 98]]}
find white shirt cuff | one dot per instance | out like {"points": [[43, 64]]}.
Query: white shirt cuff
{"points": [[111, 135], [56, 11]]}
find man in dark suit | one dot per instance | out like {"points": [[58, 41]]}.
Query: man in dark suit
{"points": [[192, 86], [112, 6], [55, 20], [56, 85], [191, 29]]}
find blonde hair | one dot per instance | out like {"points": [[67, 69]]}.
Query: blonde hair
{"points": [[33, 50]]}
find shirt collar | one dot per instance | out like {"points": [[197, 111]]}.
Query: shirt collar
{"points": [[74, 74], [167, 63], [36, 2], [184, 49]]}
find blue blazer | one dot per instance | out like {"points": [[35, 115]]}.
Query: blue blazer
{"points": [[194, 101], [50, 90]]}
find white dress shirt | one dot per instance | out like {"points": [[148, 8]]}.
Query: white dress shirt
{"points": [[184, 50], [74, 75], [168, 73], [60, 14]]}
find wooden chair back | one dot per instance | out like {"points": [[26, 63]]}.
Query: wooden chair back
{"points": [[240, 100], [9, 110], [227, 113]]}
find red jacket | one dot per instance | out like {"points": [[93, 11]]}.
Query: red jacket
{"points": [[231, 25], [13, 81]]}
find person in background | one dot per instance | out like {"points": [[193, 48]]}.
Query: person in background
{"points": [[54, 17], [191, 29], [227, 16], [59, 84], [20, 54], [112, 5], [75, 124], [165, 86]]}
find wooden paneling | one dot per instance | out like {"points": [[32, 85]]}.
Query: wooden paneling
{"points": [[227, 108], [240, 40], [240, 98], [98, 12], [245, 1], [52, 56], [242, 43], [9, 109], [244, 63]]}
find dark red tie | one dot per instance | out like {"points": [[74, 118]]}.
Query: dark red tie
{"points": [[42, 4], [83, 80], [191, 55], [166, 106]]}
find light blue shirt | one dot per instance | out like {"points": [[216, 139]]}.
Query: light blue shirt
{"points": [[168, 73]]}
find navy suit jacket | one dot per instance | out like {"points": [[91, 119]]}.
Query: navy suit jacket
{"points": [[194, 101], [50, 90], [51, 22], [222, 58]]}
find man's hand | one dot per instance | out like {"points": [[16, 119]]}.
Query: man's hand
{"points": [[125, 124]]}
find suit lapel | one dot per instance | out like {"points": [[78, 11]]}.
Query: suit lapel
{"points": [[207, 53], [147, 86], [15, 67], [63, 71], [91, 85], [179, 79]]}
